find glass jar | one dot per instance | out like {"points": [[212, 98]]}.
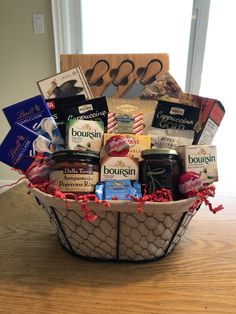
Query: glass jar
{"points": [[160, 168], [75, 171]]}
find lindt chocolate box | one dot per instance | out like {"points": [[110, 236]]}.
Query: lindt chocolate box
{"points": [[21, 145], [200, 159], [34, 114]]}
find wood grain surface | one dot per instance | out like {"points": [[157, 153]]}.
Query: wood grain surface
{"points": [[38, 276], [89, 61]]}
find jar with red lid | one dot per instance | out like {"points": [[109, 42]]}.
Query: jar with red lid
{"points": [[160, 168]]}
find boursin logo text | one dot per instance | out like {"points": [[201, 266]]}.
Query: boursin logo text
{"points": [[87, 131], [119, 168], [19, 141], [23, 113], [201, 158]]}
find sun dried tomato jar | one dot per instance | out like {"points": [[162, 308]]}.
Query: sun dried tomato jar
{"points": [[75, 171], [160, 168]]}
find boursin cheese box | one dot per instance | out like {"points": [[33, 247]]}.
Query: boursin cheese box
{"points": [[116, 168], [85, 134], [200, 159]]}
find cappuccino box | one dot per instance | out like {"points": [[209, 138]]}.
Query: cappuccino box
{"points": [[200, 159], [117, 168]]}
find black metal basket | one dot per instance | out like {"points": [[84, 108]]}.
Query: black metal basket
{"points": [[119, 233]]}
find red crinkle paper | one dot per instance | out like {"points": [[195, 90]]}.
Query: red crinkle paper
{"points": [[163, 195], [202, 197]]}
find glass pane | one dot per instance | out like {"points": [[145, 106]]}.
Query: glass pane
{"points": [[128, 26], [218, 81]]}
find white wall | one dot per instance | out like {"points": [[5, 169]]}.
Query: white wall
{"points": [[26, 57]]}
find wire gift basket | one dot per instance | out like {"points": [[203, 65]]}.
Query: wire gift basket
{"points": [[119, 233]]}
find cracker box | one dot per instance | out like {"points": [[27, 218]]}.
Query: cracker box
{"points": [[137, 143]]}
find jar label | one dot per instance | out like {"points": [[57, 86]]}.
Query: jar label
{"points": [[75, 180], [158, 177]]}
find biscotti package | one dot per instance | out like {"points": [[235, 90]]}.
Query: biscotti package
{"points": [[116, 168], [64, 84], [170, 138], [21, 145], [85, 134], [201, 159], [34, 114]]}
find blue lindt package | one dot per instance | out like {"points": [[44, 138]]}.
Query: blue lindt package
{"points": [[21, 145], [34, 114], [118, 189]]}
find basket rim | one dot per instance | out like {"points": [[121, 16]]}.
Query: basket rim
{"points": [[115, 205]]}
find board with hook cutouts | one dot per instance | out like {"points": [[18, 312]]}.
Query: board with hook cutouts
{"points": [[118, 75]]}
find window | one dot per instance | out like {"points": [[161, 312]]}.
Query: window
{"points": [[218, 81], [128, 26]]}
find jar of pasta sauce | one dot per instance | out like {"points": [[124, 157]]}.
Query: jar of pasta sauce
{"points": [[160, 168], [75, 171]]}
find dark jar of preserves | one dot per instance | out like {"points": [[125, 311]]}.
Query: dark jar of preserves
{"points": [[160, 168], [75, 171]]}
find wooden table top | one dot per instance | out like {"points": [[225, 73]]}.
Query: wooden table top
{"points": [[38, 276]]}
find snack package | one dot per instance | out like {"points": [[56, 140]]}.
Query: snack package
{"points": [[211, 115], [125, 145], [21, 145], [65, 84], [170, 138], [92, 109], [57, 115], [85, 134], [171, 115], [118, 190], [34, 114], [122, 123], [201, 159], [165, 86], [116, 168]]}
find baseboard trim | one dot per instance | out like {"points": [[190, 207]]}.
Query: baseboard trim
{"points": [[3, 182], [4, 188]]}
